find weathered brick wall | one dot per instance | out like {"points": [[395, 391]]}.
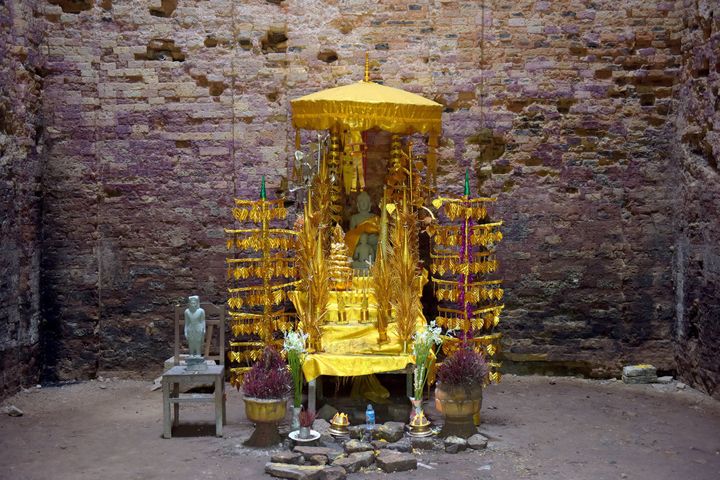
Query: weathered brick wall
{"points": [[159, 112], [697, 153], [20, 88]]}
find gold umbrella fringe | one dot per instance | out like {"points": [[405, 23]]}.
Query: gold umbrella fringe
{"points": [[258, 213], [484, 319], [443, 265], [256, 296], [479, 236], [256, 241], [266, 270], [488, 345], [472, 295]]}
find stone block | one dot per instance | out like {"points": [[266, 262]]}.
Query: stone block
{"points": [[635, 374], [477, 442], [389, 461], [294, 458], [332, 473], [353, 446], [294, 472], [308, 452], [355, 461], [390, 431], [403, 445], [455, 444], [423, 443]]}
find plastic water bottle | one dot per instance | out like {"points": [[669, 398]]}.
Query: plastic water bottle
{"points": [[369, 421]]}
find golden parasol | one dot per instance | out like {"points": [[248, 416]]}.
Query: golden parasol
{"points": [[364, 105]]}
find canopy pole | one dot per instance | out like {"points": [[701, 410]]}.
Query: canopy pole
{"points": [[432, 157]]}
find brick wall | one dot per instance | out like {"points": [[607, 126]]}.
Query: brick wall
{"points": [[697, 200], [159, 112], [20, 139]]}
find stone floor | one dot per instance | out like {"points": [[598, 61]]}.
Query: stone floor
{"points": [[539, 427]]}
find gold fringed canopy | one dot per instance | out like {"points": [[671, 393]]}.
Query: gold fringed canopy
{"points": [[365, 105]]}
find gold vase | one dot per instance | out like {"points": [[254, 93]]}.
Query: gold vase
{"points": [[261, 410]]}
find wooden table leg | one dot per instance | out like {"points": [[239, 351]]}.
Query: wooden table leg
{"points": [[224, 401], [176, 406], [218, 406], [167, 428]]}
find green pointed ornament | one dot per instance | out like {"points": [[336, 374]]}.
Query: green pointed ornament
{"points": [[263, 196], [467, 183]]}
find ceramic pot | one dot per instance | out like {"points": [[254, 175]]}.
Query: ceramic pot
{"points": [[304, 432], [458, 404], [295, 424], [262, 410]]}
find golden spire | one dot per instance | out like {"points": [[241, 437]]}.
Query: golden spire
{"points": [[367, 67]]}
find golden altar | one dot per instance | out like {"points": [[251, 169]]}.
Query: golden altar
{"points": [[362, 322]]}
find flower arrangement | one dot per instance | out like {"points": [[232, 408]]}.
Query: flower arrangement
{"points": [[307, 417], [269, 377], [424, 343], [464, 367], [294, 346]]}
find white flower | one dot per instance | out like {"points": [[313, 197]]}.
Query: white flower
{"points": [[295, 341]]}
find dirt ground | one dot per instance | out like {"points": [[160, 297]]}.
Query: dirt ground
{"points": [[539, 427]]}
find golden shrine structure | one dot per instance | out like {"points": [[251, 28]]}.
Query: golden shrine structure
{"points": [[354, 281]]}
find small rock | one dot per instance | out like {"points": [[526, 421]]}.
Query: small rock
{"points": [[359, 431], [14, 411], [391, 431], [326, 412], [318, 460], [332, 473], [423, 443], [293, 458], [477, 442], [102, 387], [355, 461], [308, 452], [680, 386], [379, 444], [321, 426], [665, 380], [389, 461], [403, 445], [635, 374], [352, 446], [455, 444], [295, 472]]}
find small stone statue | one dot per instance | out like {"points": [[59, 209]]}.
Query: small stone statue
{"points": [[363, 253], [195, 333]]}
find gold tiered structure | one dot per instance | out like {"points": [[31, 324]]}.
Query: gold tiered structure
{"points": [[362, 321], [463, 256], [259, 273]]}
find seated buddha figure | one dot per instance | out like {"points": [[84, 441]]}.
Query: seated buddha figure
{"points": [[363, 223]]}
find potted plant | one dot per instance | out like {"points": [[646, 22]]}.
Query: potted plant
{"points": [[307, 417], [458, 393], [294, 347], [266, 387]]}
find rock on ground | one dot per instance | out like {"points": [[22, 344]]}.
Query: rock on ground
{"points": [[389, 461], [326, 412], [390, 431], [477, 442], [455, 444], [355, 461], [352, 446], [294, 458], [294, 472], [332, 473]]}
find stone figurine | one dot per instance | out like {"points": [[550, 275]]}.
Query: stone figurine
{"points": [[195, 332], [363, 223]]}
